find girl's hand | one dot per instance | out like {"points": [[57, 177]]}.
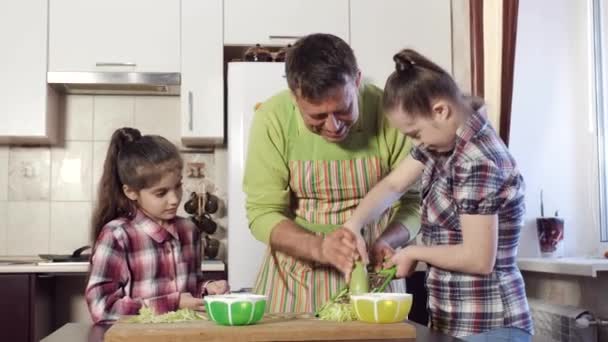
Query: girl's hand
{"points": [[406, 265], [187, 301], [217, 287]]}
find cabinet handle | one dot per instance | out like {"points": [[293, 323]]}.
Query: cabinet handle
{"points": [[190, 110], [284, 37], [116, 64]]}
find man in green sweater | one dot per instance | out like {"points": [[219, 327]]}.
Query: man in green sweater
{"points": [[315, 150]]}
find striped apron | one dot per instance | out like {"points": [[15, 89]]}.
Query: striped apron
{"points": [[325, 195]]}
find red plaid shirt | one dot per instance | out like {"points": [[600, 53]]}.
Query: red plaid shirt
{"points": [[479, 177], [139, 263]]}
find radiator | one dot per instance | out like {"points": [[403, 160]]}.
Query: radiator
{"points": [[561, 323]]}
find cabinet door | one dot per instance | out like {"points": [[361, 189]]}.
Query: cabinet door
{"points": [[23, 90], [278, 22], [16, 310], [114, 35], [380, 29], [202, 90]]}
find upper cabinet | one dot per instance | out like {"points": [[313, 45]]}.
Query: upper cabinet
{"points": [[280, 22], [114, 35], [380, 29], [202, 90], [27, 106]]}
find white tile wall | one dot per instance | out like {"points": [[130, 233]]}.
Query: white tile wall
{"points": [[72, 171], [29, 174], [3, 173], [28, 228], [79, 117], [47, 194], [3, 228], [70, 226], [100, 148], [111, 113], [159, 115]]}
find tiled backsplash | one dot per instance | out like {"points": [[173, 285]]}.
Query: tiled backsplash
{"points": [[47, 193]]}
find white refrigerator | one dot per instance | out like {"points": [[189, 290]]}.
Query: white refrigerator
{"points": [[248, 83]]}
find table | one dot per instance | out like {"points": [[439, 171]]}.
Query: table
{"points": [[80, 332]]}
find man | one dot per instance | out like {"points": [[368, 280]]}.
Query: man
{"points": [[315, 150]]}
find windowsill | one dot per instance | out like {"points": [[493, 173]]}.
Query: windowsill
{"points": [[578, 266]]}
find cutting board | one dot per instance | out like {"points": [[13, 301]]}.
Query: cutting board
{"points": [[270, 328]]}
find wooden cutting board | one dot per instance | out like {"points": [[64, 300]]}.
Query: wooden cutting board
{"points": [[270, 328]]}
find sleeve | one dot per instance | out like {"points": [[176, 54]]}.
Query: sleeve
{"points": [[109, 274], [407, 209], [477, 187], [266, 176]]}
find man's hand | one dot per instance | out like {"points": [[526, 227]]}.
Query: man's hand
{"points": [[380, 252], [338, 249]]}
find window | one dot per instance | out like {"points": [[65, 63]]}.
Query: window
{"points": [[600, 56]]}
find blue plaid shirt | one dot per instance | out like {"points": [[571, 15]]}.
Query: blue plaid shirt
{"points": [[479, 177]]}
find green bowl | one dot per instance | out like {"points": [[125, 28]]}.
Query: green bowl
{"points": [[382, 307], [235, 309]]}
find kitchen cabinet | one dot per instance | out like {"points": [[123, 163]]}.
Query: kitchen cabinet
{"points": [[25, 313], [378, 31], [114, 35], [202, 90], [279, 22], [28, 108]]}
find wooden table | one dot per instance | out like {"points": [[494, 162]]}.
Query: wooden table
{"points": [[80, 332]]}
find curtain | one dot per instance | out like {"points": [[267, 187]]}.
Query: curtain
{"points": [[493, 38]]}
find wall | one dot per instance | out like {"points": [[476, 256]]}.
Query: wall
{"points": [[552, 134], [47, 194]]}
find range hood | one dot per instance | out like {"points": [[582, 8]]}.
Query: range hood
{"points": [[115, 83]]}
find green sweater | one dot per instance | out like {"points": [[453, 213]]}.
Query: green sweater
{"points": [[281, 146]]}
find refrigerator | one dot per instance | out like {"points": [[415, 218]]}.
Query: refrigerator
{"points": [[248, 84]]}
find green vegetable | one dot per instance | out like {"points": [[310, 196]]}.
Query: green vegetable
{"points": [[359, 282], [146, 315], [339, 307], [339, 312]]}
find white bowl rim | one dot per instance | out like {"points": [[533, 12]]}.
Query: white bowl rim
{"points": [[377, 296], [235, 297]]}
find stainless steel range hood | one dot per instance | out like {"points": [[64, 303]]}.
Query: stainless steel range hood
{"points": [[113, 83]]}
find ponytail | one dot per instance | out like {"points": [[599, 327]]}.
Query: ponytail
{"points": [[416, 82], [111, 200]]}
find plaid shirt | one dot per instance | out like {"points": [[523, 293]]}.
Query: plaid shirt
{"points": [[479, 177], [139, 263]]}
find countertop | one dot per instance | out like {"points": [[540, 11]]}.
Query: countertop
{"points": [[82, 332], [25, 265]]}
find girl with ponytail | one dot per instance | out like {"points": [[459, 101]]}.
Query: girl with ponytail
{"points": [[144, 255], [472, 205]]}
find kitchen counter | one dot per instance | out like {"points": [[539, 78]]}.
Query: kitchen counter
{"points": [[80, 332], [24, 266]]}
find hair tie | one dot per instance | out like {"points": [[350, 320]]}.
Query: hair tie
{"points": [[403, 63]]}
